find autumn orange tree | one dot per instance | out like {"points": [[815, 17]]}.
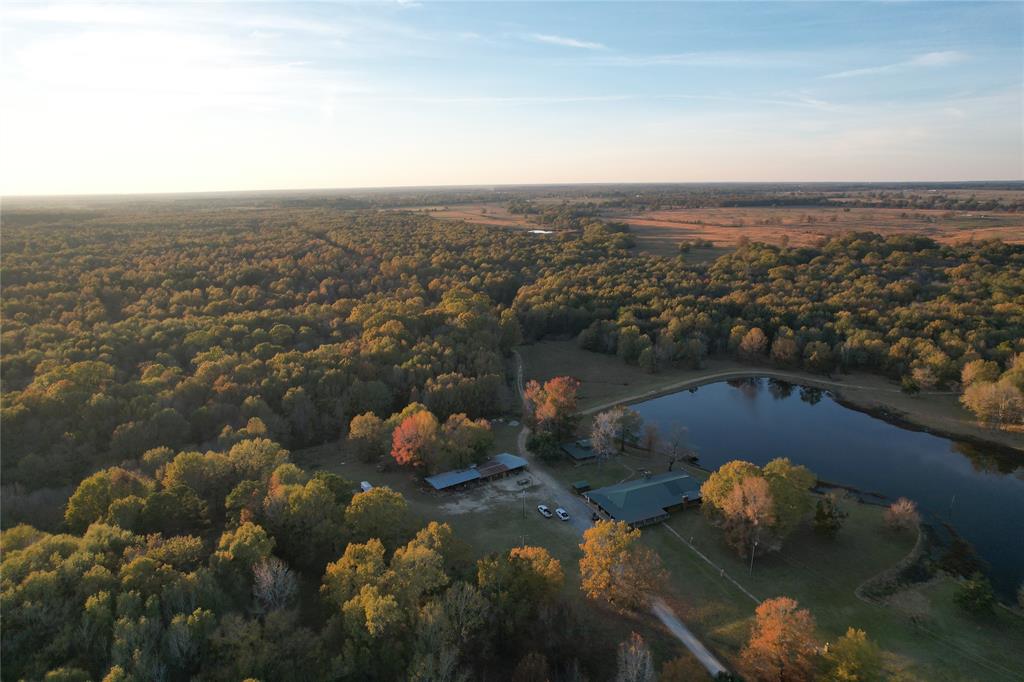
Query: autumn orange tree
{"points": [[758, 506], [782, 644], [616, 568], [551, 407], [415, 437]]}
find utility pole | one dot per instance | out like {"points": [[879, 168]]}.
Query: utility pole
{"points": [[524, 503], [753, 551]]}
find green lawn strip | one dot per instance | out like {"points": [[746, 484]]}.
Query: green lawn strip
{"points": [[957, 644], [822, 575]]}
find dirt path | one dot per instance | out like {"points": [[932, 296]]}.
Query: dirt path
{"points": [[669, 619], [579, 514]]}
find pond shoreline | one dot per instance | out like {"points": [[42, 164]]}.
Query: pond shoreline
{"points": [[876, 408], [903, 421]]}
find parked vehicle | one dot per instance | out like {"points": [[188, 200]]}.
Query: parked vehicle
{"points": [[544, 511], [365, 486], [562, 514], [523, 481]]}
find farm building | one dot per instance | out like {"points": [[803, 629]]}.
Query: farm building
{"points": [[580, 450], [646, 500], [497, 466]]}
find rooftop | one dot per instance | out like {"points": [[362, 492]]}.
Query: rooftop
{"points": [[579, 449], [498, 464], [646, 498]]}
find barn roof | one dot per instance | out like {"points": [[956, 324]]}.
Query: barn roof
{"points": [[448, 479], [498, 464]]}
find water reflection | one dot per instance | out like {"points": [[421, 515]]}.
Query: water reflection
{"points": [[978, 489]]}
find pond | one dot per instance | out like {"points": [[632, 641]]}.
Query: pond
{"points": [[977, 490]]}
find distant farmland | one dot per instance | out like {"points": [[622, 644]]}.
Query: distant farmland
{"points": [[660, 232]]}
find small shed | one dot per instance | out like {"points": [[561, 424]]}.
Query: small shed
{"points": [[580, 487], [580, 450]]}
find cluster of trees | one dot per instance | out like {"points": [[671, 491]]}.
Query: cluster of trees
{"points": [[784, 646], [197, 565], [415, 437], [903, 306], [995, 397], [759, 506], [159, 359], [838, 195], [549, 409], [125, 331]]}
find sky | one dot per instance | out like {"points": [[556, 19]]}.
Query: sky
{"points": [[176, 97]]}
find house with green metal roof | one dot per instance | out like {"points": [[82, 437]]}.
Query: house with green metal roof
{"points": [[647, 500]]}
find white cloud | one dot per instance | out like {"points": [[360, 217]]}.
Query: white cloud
{"points": [[929, 59], [705, 58], [564, 41], [938, 58]]}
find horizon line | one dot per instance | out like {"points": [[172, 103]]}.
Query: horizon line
{"points": [[496, 186]]}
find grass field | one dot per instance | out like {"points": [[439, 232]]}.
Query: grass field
{"points": [[660, 232]]}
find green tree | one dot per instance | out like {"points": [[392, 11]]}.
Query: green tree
{"points": [[368, 437], [92, 498], [379, 513], [852, 658], [975, 595], [829, 515]]}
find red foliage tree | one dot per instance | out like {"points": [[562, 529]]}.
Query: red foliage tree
{"points": [[552, 407], [413, 438]]}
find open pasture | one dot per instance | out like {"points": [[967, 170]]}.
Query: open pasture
{"points": [[660, 232]]}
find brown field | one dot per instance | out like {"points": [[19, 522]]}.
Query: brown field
{"points": [[979, 193], [659, 232], [482, 214]]}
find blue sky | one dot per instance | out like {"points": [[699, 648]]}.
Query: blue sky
{"points": [[142, 97]]}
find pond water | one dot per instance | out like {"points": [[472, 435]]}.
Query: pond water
{"points": [[979, 491]]}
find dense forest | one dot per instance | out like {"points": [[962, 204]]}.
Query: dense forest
{"points": [[127, 331], [161, 364]]}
